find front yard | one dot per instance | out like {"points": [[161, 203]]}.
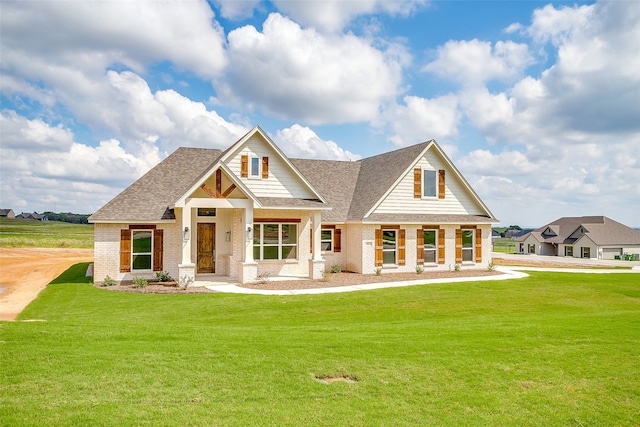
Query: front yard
{"points": [[552, 349]]}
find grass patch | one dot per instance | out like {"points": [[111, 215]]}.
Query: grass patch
{"points": [[552, 349], [504, 245], [21, 233]]}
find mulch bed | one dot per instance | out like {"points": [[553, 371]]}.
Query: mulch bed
{"points": [[330, 281]]}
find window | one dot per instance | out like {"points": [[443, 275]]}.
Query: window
{"points": [[141, 244], [531, 248], [273, 241], [255, 167], [568, 251], [389, 246], [429, 183], [467, 245], [206, 211], [430, 245], [326, 240], [586, 252]]}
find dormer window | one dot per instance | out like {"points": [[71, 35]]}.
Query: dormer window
{"points": [[255, 167]]}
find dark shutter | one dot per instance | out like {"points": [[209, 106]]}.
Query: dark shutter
{"points": [[125, 251], [402, 252], [417, 183], [244, 166], [441, 186], [378, 247], [265, 167], [420, 246], [157, 250], [441, 246], [458, 246], [478, 245], [337, 240]]}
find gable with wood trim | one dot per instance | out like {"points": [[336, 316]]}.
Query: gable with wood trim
{"points": [[250, 210]]}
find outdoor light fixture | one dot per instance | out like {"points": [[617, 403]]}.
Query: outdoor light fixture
{"points": [[248, 232], [186, 233]]}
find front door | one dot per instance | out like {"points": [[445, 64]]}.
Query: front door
{"points": [[206, 248]]}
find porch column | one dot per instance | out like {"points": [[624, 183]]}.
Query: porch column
{"points": [[247, 269], [316, 263], [186, 269]]}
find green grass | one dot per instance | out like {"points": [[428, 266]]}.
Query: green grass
{"points": [[20, 233], [552, 349]]}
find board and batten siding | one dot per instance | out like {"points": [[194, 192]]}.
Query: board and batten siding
{"points": [[282, 182], [457, 200]]}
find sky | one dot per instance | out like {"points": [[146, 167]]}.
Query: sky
{"points": [[536, 103]]}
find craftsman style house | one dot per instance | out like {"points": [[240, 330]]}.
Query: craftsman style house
{"points": [[596, 237], [206, 214]]}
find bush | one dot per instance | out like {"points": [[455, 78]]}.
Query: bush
{"points": [[336, 269], [140, 282], [456, 267], [108, 281], [378, 271], [164, 276], [419, 269]]}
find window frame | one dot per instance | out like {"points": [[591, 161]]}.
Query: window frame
{"points": [[434, 182], [258, 175], [134, 254], [468, 252], [393, 250], [529, 246], [435, 246], [568, 251], [260, 245], [585, 252], [329, 241]]}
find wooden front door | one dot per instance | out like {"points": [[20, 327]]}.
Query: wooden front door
{"points": [[206, 248]]}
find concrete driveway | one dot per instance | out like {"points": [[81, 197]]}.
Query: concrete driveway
{"points": [[562, 261]]}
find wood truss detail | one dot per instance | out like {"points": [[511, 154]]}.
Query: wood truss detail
{"points": [[218, 193]]}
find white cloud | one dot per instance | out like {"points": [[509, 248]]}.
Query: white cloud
{"points": [[300, 141], [556, 25], [234, 9], [420, 119], [90, 36], [334, 15], [474, 62], [19, 133], [290, 72]]}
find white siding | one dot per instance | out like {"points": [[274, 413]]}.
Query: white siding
{"points": [[282, 181], [457, 201]]}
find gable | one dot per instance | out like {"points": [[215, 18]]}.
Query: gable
{"points": [[407, 197]]}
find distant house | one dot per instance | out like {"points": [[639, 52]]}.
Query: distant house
{"points": [[35, 216], [7, 213], [250, 210], [595, 237]]}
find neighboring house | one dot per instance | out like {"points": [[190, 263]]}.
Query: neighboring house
{"points": [[250, 211], [7, 213], [35, 215], [595, 237]]}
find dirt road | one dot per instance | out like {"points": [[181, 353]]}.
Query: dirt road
{"points": [[24, 272]]}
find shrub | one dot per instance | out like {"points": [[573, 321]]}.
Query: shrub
{"points": [[140, 282], [108, 281], [456, 267], [419, 269], [378, 271], [336, 269], [491, 266], [164, 276]]}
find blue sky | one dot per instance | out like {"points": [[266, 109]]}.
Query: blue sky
{"points": [[536, 103]]}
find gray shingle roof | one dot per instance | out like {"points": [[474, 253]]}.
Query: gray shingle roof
{"points": [[149, 198], [602, 230]]}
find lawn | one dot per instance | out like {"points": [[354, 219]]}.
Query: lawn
{"points": [[552, 349], [19, 233]]}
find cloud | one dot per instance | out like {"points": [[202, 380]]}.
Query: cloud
{"points": [[556, 25], [235, 10], [420, 119], [302, 142], [293, 73], [90, 36], [334, 15], [475, 62]]}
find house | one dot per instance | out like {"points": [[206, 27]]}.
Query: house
{"points": [[595, 237], [250, 210], [7, 213], [35, 215]]}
